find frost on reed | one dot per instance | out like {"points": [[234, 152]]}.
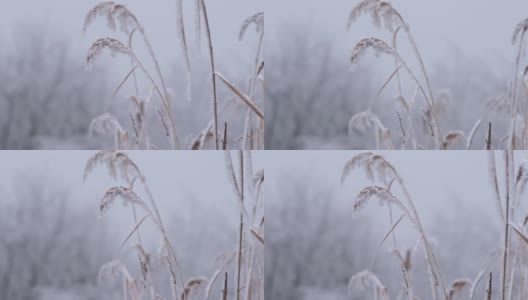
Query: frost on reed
{"points": [[252, 137], [380, 170], [452, 137], [366, 120], [518, 39], [248, 270], [250, 259], [365, 280], [119, 18], [457, 287], [515, 240], [385, 16], [508, 189]]}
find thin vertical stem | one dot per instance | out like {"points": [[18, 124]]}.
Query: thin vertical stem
{"points": [[224, 142], [488, 141], [183, 40], [515, 96], [224, 291], [489, 288], [166, 95], [422, 66], [240, 236], [213, 79], [506, 226]]}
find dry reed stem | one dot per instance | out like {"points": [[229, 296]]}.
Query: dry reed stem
{"points": [[249, 270], [183, 40], [216, 274], [515, 96], [495, 183], [247, 131], [130, 36], [233, 181], [398, 67], [516, 257], [213, 79], [167, 99], [405, 272], [258, 20], [488, 291], [241, 95], [376, 165], [481, 274], [120, 85], [224, 291], [521, 234], [479, 121], [257, 235], [382, 47], [224, 142], [241, 230], [488, 140], [507, 157], [199, 142], [198, 21], [135, 229], [391, 230]]}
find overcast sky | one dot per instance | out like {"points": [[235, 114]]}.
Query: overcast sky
{"points": [[159, 21], [176, 178], [438, 182], [479, 28]]}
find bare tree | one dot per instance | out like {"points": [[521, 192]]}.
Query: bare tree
{"points": [[44, 90], [44, 241], [309, 92]]}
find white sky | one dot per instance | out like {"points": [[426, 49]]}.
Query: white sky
{"points": [[437, 181], [159, 21], [479, 28], [174, 177]]}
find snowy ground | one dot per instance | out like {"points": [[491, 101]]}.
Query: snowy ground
{"points": [[316, 293]]}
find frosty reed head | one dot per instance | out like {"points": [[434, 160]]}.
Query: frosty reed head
{"points": [[116, 193], [377, 45], [363, 121], [257, 19], [113, 269], [452, 137], [457, 287], [376, 167], [383, 195], [365, 280], [117, 163], [116, 16], [105, 124], [382, 13], [115, 47], [520, 28]]}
